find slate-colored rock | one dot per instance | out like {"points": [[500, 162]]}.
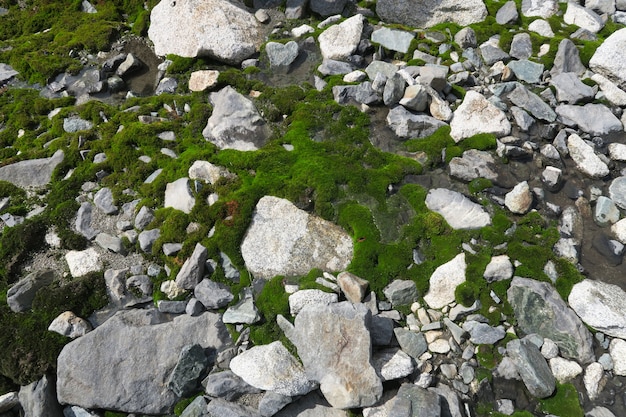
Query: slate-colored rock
{"points": [[421, 402], [6, 73], [401, 292], [412, 343], [482, 333], [33, 172], [272, 403], [147, 238], [459, 211], [540, 309], [532, 367], [192, 270], [227, 385], [407, 125], [567, 59], [393, 39], [284, 240], [532, 103], [341, 40], [103, 200], [595, 119], [83, 221], [600, 305], [311, 405], [196, 408], [235, 122], [215, 28], [425, 14], [477, 115], [507, 14], [617, 349], [527, 71], [521, 47], [212, 295], [192, 362], [20, 296], [444, 280], [327, 7], [281, 56], [125, 362], [585, 157], [39, 399], [243, 312], [474, 164]]}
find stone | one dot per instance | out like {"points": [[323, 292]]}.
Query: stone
{"points": [[20, 295], [178, 195], [421, 402], [567, 59], [6, 73], [459, 211], [83, 262], [401, 292], [212, 295], [539, 8], [33, 172], [593, 380], [196, 408], [491, 53], [192, 362], [284, 240], [327, 7], [408, 125], [208, 172], [605, 61], [8, 401], [281, 56], [415, 98], [507, 14], [144, 217], [235, 122], [111, 243], [439, 346], [303, 298], [498, 269], [532, 367], [334, 345], [103, 200], [444, 280], [522, 48], [532, 103], [227, 385], [520, 199], [70, 325], [482, 333], [39, 399], [473, 164], [601, 306], [477, 115], [612, 92], [582, 17], [595, 119], [539, 309], [203, 80], [541, 27], [192, 270], [272, 368], [430, 13], [334, 67], [171, 307], [243, 312], [412, 343], [83, 221], [272, 403], [311, 405], [617, 349], [434, 76], [147, 238], [549, 349], [353, 287], [341, 40], [124, 363], [394, 90], [606, 212], [392, 364], [76, 124], [585, 158], [466, 38], [216, 29], [570, 89], [393, 39], [564, 370], [385, 68], [619, 231], [617, 192], [219, 407]]}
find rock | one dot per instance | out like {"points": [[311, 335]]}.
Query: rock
{"points": [[111, 243], [491, 53], [219, 407], [31, 173], [192, 362], [76, 124], [539, 8], [203, 80], [83, 262], [617, 349], [582, 17], [272, 403], [529, 101], [522, 48], [83, 221], [129, 65], [606, 212], [601, 306], [532, 367], [392, 364], [39, 399], [334, 345], [70, 325], [409, 125], [605, 60], [243, 312], [617, 192], [466, 38], [443, 282], [482, 333], [415, 98], [593, 380], [401, 292], [507, 14], [477, 115], [353, 287], [327, 7], [104, 201], [430, 13], [412, 343], [171, 307], [567, 59], [208, 172], [564, 370], [459, 211], [392, 39], [8, 401], [21, 295], [585, 158], [6, 73], [212, 295], [284, 240], [394, 90], [539, 309], [473, 164], [527, 71], [227, 385], [595, 119], [340, 41], [144, 217], [311, 405], [303, 298], [612, 92], [570, 89], [272, 368], [542, 27], [167, 85], [147, 239], [520, 199], [419, 402], [281, 56], [125, 362], [498, 269], [178, 195], [192, 270], [334, 67], [196, 408], [216, 28], [235, 122], [384, 68]]}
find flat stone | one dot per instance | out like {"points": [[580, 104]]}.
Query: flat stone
{"points": [[303, 298], [203, 80], [539, 8], [585, 157], [570, 89], [420, 14], [444, 280], [401, 292], [281, 56], [33, 172], [565, 370], [582, 17], [410, 125], [477, 115], [459, 211], [532, 367], [601, 306], [83, 262], [178, 195], [70, 325], [412, 343], [617, 349], [394, 40], [482, 333], [192, 270], [392, 364], [527, 71]]}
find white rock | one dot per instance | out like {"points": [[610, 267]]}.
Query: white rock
{"points": [[612, 92], [443, 282], [440, 346], [520, 199], [301, 30], [542, 27], [540, 8], [340, 41], [617, 151], [601, 306], [549, 349], [459, 211], [617, 349], [564, 370], [619, 230], [8, 401], [171, 290], [303, 298], [355, 76], [477, 115], [498, 269], [392, 364], [83, 262], [593, 380], [585, 157], [203, 80], [608, 58], [582, 17], [206, 171], [68, 324], [178, 195]]}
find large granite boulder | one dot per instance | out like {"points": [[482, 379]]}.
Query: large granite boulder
{"points": [[477, 115], [218, 29], [459, 211], [608, 58], [428, 13], [601, 306], [539, 309], [235, 123], [124, 364], [31, 173], [284, 240]]}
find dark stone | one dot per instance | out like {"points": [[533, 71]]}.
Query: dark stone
{"points": [[192, 362]]}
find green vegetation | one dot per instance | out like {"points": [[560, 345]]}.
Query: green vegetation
{"points": [[564, 402]]}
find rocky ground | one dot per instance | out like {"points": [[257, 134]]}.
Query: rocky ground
{"points": [[318, 208]]}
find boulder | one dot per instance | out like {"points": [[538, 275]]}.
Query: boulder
{"points": [[612, 92], [124, 364], [425, 14], [444, 280], [39, 399], [83, 262], [218, 29], [522, 48], [520, 199], [539, 309], [601, 306], [570, 89], [392, 39], [334, 345], [227, 385], [477, 115], [595, 119], [407, 125], [70, 325], [284, 240], [585, 157], [178, 195], [192, 270], [235, 122], [33, 172], [220, 407], [607, 58], [340, 41], [212, 295], [459, 211], [272, 368], [21, 295], [532, 367]]}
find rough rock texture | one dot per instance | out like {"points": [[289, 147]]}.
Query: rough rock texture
{"points": [[409, 125], [431, 12], [520, 199], [124, 363], [595, 119], [83, 262], [70, 325], [21, 295], [532, 367], [601, 306], [192, 362], [459, 211], [39, 399], [340, 41], [178, 195], [608, 58], [334, 345], [585, 158], [31, 173], [284, 240], [193, 269], [540, 309], [617, 350], [444, 280], [213, 28], [212, 295], [203, 79], [477, 115]]}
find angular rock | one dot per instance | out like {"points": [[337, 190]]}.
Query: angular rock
{"points": [[612, 92], [527, 71], [595, 119], [532, 367], [227, 385], [593, 380], [392, 364], [83, 262], [21, 295], [178, 195], [425, 14], [601, 306], [31, 173], [196, 408], [498, 269], [482, 333], [235, 122], [412, 343], [567, 59], [76, 124], [284, 240], [144, 217], [214, 28], [340, 41], [474, 164], [582, 17], [111, 243], [585, 157], [192, 362], [444, 280], [203, 80], [606, 60], [311, 405], [70, 325], [125, 362], [606, 212], [272, 403], [459, 211], [243, 312], [401, 292], [477, 115], [539, 8], [520, 199], [39, 399], [617, 349], [529, 101], [617, 191], [103, 199], [408, 125], [147, 239], [415, 98], [327, 7], [507, 14], [542, 27], [564, 370], [281, 56], [353, 287], [6, 73], [570, 89], [219, 407], [301, 299], [394, 90], [521, 48], [192, 270], [83, 221], [421, 402], [212, 295], [394, 40]]}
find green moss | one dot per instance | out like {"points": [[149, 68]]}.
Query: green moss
{"points": [[563, 403]]}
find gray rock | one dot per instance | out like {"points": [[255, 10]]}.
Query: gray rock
{"points": [[412, 343], [295, 9], [83, 221], [8, 401], [529, 101], [459, 211], [31, 173], [612, 93], [281, 56], [585, 157], [601, 306], [539, 309], [334, 345], [466, 38], [599, 411], [171, 249], [532, 367], [341, 40], [272, 368], [365, 94], [196, 408], [392, 364], [75, 411], [394, 90], [111, 243], [70, 325], [311, 405], [334, 67], [408, 125], [527, 71], [422, 402], [144, 217], [227, 385], [194, 307], [76, 124], [444, 280], [540, 8], [272, 403], [222, 408], [192, 362], [327, 7], [6, 73], [429, 13], [280, 238], [567, 59], [235, 122], [130, 64], [507, 14], [415, 98], [595, 119], [178, 195], [83, 262], [125, 362], [617, 192], [521, 46], [167, 85], [395, 40], [542, 27], [217, 29], [401, 292], [564, 370], [617, 349], [570, 89], [147, 239], [88, 83], [482, 333], [474, 164], [522, 119], [139, 284], [39, 399], [491, 53], [103, 200], [303, 298], [192, 270], [212, 295], [583, 17], [353, 287], [243, 312], [381, 330], [171, 307], [20, 296], [477, 115], [434, 76], [606, 212], [385, 68]]}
